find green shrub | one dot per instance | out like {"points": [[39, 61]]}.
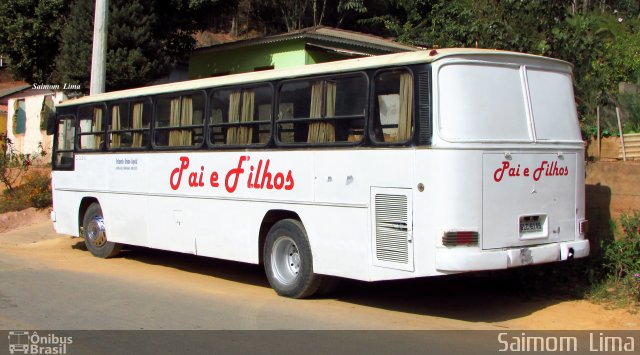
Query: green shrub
{"points": [[14, 200], [34, 192], [39, 188], [621, 259]]}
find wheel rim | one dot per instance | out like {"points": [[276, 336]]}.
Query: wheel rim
{"points": [[95, 233], [285, 260]]}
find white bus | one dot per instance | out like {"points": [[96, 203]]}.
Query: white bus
{"points": [[390, 167]]}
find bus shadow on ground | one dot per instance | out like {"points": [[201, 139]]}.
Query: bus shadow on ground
{"points": [[223, 269], [474, 297], [478, 297]]}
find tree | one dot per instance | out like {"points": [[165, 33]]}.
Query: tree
{"points": [[277, 16], [74, 61], [29, 31], [145, 39]]}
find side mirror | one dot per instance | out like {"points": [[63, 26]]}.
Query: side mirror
{"points": [[48, 115], [51, 123]]}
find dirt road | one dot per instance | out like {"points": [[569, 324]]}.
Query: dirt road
{"points": [[49, 281]]}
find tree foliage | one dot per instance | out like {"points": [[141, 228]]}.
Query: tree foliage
{"points": [[599, 38], [29, 31]]}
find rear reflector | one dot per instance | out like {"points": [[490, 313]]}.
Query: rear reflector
{"points": [[583, 227], [451, 239]]}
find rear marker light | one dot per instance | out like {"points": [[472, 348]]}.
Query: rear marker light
{"points": [[452, 239], [583, 227]]}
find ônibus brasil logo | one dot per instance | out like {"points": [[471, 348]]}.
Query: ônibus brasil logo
{"points": [[25, 342]]}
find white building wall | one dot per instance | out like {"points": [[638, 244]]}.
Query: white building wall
{"points": [[28, 141]]}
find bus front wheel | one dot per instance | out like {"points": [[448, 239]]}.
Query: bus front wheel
{"points": [[288, 261], [95, 235]]}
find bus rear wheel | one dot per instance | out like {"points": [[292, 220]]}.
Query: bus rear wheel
{"points": [[288, 261], [95, 235]]}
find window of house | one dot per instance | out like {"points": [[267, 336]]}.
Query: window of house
{"points": [[91, 127], [128, 125], [179, 121], [240, 116], [20, 116], [392, 119], [323, 110], [65, 135]]}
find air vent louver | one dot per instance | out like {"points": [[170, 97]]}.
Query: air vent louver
{"points": [[392, 230]]}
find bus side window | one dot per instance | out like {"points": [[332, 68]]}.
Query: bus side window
{"points": [[325, 110], [179, 121], [240, 116], [65, 136], [129, 125], [293, 107], [91, 127], [393, 102], [347, 99]]}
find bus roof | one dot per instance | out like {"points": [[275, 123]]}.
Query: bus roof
{"points": [[406, 58]]}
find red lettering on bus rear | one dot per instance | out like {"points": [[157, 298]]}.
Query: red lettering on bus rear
{"points": [[499, 173]]}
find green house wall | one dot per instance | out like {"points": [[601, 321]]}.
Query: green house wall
{"points": [[246, 59]]}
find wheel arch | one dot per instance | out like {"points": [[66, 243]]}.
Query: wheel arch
{"points": [[270, 218], [84, 205]]}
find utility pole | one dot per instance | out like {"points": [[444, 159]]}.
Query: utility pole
{"points": [[99, 54]]}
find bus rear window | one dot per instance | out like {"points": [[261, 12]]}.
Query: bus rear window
{"points": [[482, 102], [553, 105]]}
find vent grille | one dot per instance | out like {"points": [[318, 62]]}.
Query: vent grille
{"points": [[392, 232], [424, 108]]}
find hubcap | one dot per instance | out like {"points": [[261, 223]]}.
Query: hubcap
{"points": [[95, 232], [285, 260]]}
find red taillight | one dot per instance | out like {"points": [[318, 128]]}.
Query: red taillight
{"points": [[583, 227], [456, 238]]}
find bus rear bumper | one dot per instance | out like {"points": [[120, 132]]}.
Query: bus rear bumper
{"points": [[464, 259]]}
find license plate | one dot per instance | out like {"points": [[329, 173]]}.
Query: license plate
{"points": [[530, 225]]}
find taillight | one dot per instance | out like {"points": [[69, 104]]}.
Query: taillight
{"points": [[455, 238], [583, 227]]}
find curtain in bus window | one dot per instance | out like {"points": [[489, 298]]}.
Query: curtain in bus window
{"points": [[97, 121], [174, 121], [315, 111], [245, 133], [331, 99], [320, 132], [234, 116], [187, 120], [137, 124], [115, 126], [406, 105]]}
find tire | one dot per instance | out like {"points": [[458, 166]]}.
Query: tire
{"points": [[288, 260], [95, 235]]}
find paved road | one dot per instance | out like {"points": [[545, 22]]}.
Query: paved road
{"points": [[51, 282]]}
